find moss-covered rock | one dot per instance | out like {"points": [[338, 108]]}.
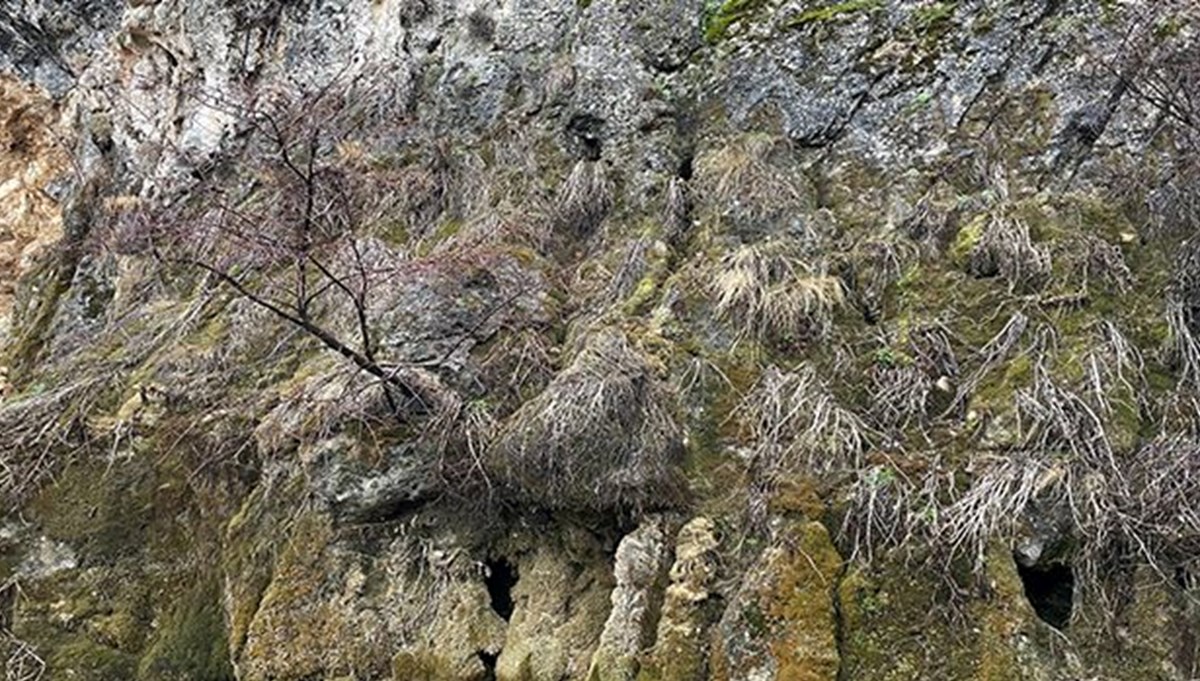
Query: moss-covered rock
{"points": [[639, 570], [560, 606], [88, 661], [517, 178], [784, 621], [190, 641]]}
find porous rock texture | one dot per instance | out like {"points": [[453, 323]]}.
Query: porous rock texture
{"points": [[590, 229]]}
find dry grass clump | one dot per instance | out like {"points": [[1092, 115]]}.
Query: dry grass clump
{"points": [[890, 505], [1159, 509], [517, 363], [899, 397], [797, 426], [1138, 508], [20, 659], [1123, 505], [752, 180], [1075, 469], [769, 291], [932, 351], [1054, 418], [1143, 509], [990, 357], [933, 222], [414, 193], [1005, 248], [459, 434], [38, 429], [873, 267], [1183, 315], [993, 505], [602, 436], [584, 199], [1115, 373], [1088, 265], [1105, 263], [337, 399], [631, 270]]}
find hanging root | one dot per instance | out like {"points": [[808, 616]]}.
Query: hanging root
{"points": [[990, 357], [585, 198], [899, 397]]}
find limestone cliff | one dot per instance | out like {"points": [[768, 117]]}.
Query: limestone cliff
{"points": [[597, 340]]}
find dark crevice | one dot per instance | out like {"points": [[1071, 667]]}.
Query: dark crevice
{"points": [[685, 168], [1184, 579], [489, 664], [500, 578], [1051, 591], [586, 134], [839, 624]]}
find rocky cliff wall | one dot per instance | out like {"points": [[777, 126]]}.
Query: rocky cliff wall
{"points": [[540, 340]]}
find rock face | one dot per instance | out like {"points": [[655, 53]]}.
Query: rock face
{"points": [[31, 171], [597, 340]]}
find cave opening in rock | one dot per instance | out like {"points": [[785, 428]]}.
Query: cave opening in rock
{"points": [[500, 578], [1051, 591], [1184, 579], [686, 169], [489, 664]]}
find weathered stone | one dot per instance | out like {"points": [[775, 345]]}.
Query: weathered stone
{"points": [[560, 609], [639, 569], [680, 648], [847, 126]]}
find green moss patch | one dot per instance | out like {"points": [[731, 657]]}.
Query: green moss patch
{"points": [[84, 660], [720, 17], [191, 642], [830, 12]]}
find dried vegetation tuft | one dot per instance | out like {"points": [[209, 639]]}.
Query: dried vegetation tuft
{"points": [[602, 436], [770, 292]]}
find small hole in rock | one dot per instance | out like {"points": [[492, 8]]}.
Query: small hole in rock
{"points": [[1184, 579], [1051, 591], [489, 664], [500, 578], [586, 133], [685, 168]]}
